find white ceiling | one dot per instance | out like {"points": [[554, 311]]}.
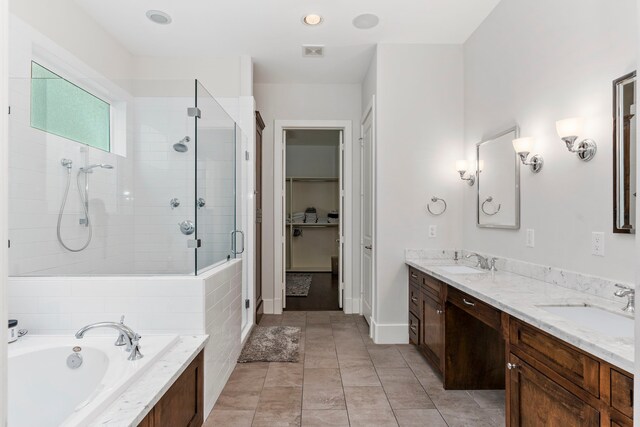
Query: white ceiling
{"points": [[272, 33]]}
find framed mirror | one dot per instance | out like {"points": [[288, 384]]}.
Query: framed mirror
{"points": [[498, 170], [624, 154]]}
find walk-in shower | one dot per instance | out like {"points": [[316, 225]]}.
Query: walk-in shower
{"points": [[108, 211], [84, 199]]}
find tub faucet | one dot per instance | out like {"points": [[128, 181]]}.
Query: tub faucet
{"points": [[630, 293], [131, 339]]}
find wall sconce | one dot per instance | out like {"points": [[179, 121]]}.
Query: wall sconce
{"points": [[569, 130], [524, 146], [461, 167]]}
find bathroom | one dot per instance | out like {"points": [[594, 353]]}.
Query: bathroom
{"points": [[486, 240]]}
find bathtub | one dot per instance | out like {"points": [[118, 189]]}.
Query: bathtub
{"points": [[44, 391]]}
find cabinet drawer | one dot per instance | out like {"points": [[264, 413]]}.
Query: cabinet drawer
{"points": [[474, 307], [415, 276], [622, 393], [414, 300], [569, 363], [414, 329], [432, 286]]}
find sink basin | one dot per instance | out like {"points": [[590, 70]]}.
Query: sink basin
{"points": [[603, 321], [460, 269]]}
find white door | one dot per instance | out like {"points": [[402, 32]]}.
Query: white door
{"points": [[367, 213], [285, 229]]}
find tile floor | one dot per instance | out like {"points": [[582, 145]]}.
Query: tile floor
{"points": [[344, 379]]}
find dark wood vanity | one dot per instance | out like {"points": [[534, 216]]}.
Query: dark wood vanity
{"points": [[475, 346], [183, 404]]}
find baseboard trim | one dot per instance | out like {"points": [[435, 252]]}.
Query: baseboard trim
{"points": [[390, 333], [267, 304]]}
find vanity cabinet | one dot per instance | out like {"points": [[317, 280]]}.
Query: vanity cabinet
{"points": [[548, 381], [183, 404]]}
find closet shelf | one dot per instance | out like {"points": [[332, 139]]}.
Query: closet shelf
{"points": [[313, 224], [310, 179]]}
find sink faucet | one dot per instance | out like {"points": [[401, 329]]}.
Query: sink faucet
{"points": [[483, 263], [131, 339], [630, 293]]}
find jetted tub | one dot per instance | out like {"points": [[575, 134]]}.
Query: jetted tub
{"points": [[44, 391]]}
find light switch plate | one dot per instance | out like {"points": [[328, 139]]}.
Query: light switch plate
{"points": [[433, 231], [531, 238], [597, 243]]}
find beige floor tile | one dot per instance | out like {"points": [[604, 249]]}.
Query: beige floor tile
{"points": [[372, 418], [365, 398], [229, 418], [318, 378], [320, 360], [387, 357], [353, 362], [397, 376], [489, 399], [328, 418], [328, 398], [408, 396], [359, 376], [277, 418], [284, 375], [238, 399], [280, 399], [463, 416], [419, 418]]}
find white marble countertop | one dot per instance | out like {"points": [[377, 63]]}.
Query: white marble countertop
{"points": [[521, 297], [135, 403]]}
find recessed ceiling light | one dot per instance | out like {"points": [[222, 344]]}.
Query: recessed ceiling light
{"points": [[312, 19], [365, 21], [159, 17]]}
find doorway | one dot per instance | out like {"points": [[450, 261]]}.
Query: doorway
{"points": [[367, 211], [311, 217]]}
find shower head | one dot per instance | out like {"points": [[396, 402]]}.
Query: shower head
{"points": [[89, 168], [181, 146]]}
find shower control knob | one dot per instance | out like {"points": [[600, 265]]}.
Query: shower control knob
{"points": [[187, 227], [201, 202], [174, 203]]}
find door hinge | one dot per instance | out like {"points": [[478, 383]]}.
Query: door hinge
{"points": [[194, 112], [9, 109], [9, 244], [247, 303], [194, 243]]}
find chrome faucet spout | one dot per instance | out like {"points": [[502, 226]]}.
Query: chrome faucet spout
{"points": [[483, 262], [630, 293], [131, 338]]}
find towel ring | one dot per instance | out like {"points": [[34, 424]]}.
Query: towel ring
{"points": [[489, 200], [435, 199]]}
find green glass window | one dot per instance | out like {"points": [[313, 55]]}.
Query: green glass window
{"points": [[64, 109]]}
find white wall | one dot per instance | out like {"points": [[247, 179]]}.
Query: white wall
{"points": [[4, 174], [419, 137], [306, 102], [66, 24], [532, 63]]}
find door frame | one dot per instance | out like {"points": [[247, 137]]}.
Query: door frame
{"points": [[279, 237], [369, 111]]}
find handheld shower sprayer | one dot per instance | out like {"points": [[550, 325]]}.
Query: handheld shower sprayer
{"points": [[84, 198]]}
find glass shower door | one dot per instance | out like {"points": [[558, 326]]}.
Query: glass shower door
{"points": [[215, 189]]}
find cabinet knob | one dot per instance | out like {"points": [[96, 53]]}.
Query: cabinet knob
{"points": [[439, 311], [414, 300], [512, 366], [414, 275], [414, 328]]}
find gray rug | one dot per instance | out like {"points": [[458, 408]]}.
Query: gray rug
{"points": [[298, 284], [271, 344]]}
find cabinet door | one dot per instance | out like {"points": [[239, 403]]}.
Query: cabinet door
{"points": [[535, 400], [432, 328]]}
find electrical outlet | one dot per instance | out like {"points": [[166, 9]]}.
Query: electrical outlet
{"points": [[597, 243], [433, 231], [531, 238]]}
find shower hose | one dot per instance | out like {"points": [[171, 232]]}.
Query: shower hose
{"points": [[84, 206]]}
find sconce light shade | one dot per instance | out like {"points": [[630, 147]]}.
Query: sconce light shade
{"points": [[569, 127], [524, 146], [569, 130], [462, 165]]}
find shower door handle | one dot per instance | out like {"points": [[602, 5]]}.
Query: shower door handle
{"points": [[234, 244]]}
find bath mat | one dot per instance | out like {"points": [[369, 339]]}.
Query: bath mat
{"points": [[271, 344], [298, 284]]}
